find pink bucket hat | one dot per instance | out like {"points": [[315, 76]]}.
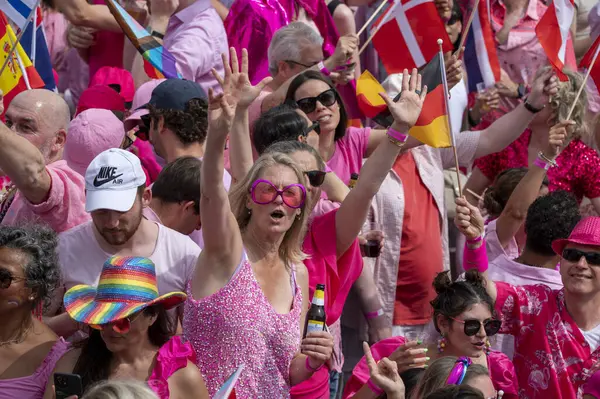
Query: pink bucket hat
{"points": [[90, 133], [587, 232], [141, 97], [107, 76]]}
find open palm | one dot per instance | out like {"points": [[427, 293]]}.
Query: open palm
{"points": [[407, 109]]}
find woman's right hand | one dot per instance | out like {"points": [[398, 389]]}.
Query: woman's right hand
{"points": [[384, 374], [468, 219], [557, 138]]}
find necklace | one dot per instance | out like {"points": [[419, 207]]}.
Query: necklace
{"points": [[20, 338]]}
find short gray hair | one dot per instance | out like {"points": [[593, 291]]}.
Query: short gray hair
{"points": [[120, 389], [288, 41]]}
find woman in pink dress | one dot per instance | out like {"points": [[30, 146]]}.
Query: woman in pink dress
{"points": [[131, 334], [578, 168], [464, 319], [28, 273]]}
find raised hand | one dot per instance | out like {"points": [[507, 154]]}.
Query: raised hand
{"points": [[220, 113], [163, 8], [318, 346], [468, 219], [344, 50], [543, 87], [384, 373], [407, 109], [557, 138], [236, 84]]}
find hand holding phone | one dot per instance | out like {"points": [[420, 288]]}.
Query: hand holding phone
{"points": [[67, 386]]}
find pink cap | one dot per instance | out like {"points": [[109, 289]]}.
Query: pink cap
{"points": [[587, 232], [141, 97], [107, 76], [90, 133], [100, 97]]}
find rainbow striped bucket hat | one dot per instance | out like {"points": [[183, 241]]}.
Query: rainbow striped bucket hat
{"points": [[127, 285]]}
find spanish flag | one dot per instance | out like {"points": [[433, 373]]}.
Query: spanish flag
{"points": [[19, 74], [432, 126]]}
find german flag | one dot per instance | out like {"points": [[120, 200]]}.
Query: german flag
{"points": [[19, 74], [432, 126]]}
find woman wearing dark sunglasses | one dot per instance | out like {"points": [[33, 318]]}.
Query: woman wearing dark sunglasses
{"points": [[463, 316], [28, 273]]}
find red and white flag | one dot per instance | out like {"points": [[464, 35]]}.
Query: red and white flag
{"points": [[553, 33], [407, 35], [589, 62]]}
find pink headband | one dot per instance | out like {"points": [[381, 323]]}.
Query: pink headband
{"points": [[457, 375]]}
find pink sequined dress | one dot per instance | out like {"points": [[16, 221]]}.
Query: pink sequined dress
{"points": [[237, 325], [578, 170]]}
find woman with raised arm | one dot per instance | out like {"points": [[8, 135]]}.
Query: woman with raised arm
{"points": [[248, 296], [331, 243]]}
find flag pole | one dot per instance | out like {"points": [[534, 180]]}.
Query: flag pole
{"points": [[33, 37], [19, 36], [585, 78], [440, 42], [465, 32], [372, 17], [376, 30]]}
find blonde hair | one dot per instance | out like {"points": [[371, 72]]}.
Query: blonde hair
{"points": [[120, 389], [562, 101], [437, 374], [290, 249]]}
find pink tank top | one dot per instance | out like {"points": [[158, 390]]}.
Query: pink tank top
{"points": [[33, 386], [236, 325]]}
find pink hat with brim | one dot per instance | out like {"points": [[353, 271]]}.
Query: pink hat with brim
{"points": [[141, 97], [587, 232]]}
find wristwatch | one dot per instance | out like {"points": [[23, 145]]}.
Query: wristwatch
{"points": [[157, 34]]}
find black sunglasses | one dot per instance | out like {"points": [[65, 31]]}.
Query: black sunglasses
{"points": [[472, 327], [309, 104], [574, 255], [6, 278], [315, 177]]}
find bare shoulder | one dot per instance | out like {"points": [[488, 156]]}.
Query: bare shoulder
{"points": [[66, 364], [185, 380], [301, 274]]}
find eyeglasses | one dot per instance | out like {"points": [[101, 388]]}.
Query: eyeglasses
{"points": [[574, 255], [6, 278], [264, 192], [472, 326], [315, 177], [309, 104], [121, 326]]}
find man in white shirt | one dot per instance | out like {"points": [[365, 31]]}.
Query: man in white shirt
{"points": [[115, 197]]}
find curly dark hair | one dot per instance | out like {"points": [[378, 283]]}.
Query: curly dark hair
{"points": [[550, 217], [497, 195], [191, 125], [340, 130], [453, 298], [39, 243]]}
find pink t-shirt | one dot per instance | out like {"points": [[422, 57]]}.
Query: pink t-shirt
{"points": [[349, 153], [503, 268], [63, 209], [493, 246], [81, 258]]}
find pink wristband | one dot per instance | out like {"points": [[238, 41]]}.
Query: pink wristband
{"points": [[475, 240], [323, 68], [309, 367], [401, 137], [372, 315], [378, 391], [475, 258], [540, 163]]}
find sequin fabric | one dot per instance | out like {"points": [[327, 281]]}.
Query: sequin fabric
{"points": [[578, 168], [238, 325]]}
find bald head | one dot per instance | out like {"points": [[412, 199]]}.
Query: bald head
{"points": [[42, 117]]}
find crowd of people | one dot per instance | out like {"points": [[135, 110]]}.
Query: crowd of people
{"points": [[168, 238]]}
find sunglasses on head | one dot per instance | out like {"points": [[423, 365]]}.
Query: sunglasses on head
{"points": [[121, 326], [315, 177], [264, 192], [6, 278], [574, 255], [472, 326], [309, 104]]}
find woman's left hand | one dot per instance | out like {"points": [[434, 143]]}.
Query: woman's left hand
{"points": [[407, 109], [318, 346]]}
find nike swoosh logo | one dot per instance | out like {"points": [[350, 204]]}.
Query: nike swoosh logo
{"points": [[101, 182]]}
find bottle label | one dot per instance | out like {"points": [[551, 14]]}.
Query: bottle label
{"points": [[318, 298], [314, 326]]}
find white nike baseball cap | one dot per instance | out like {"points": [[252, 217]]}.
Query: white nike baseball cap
{"points": [[112, 181]]}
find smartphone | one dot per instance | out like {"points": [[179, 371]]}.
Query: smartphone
{"points": [[67, 385]]}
